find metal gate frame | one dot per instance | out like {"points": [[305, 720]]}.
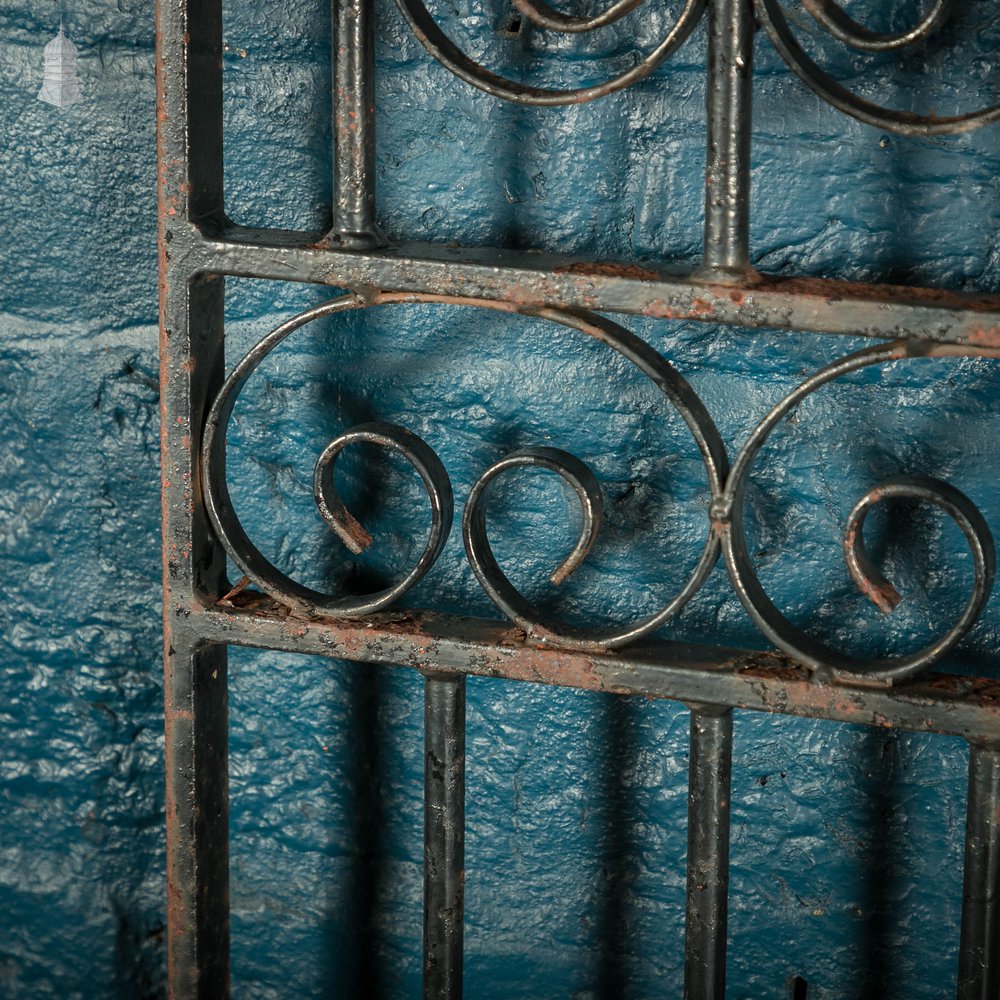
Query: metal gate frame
{"points": [[199, 246]]}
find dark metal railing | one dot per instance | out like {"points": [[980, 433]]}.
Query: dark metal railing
{"points": [[204, 613]]}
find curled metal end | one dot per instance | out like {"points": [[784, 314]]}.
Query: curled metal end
{"points": [[572, 471], [587, 488], [805, 648], [477, 546], [864, 572], [341, 521], [414, 449], [260, 571], [929, 490]]}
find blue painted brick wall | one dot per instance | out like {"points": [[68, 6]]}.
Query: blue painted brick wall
{"points": [[846, 843]]}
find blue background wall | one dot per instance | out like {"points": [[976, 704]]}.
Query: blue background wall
{"points": [[846, 843]]}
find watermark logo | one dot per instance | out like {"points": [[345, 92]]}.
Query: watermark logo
{"points": [[60, 83]]}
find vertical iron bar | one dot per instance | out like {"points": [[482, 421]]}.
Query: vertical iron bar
{"points": [[190, 175], [978, 957], [728, 102], [709, 776], [444, 836], [197, 805], [354, 126]]}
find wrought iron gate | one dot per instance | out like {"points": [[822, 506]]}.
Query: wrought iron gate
{"points": [[805, 677]]}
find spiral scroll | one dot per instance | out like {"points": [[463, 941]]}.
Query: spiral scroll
{"points": [[834, 19], [255, 565], [728, 512], [260, 571], [830, 15], [446, 52]]}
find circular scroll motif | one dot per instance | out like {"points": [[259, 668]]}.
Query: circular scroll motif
{"points": [[831, 16], [446, 52], [773, 624], [728, 490], [264, 574]]}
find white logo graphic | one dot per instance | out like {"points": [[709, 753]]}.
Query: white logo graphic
{"points": [[60, 84]]}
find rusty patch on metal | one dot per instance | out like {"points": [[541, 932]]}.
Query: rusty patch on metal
{"points": [[836, 290], [608, 269], [772, 667], [985, 337]]}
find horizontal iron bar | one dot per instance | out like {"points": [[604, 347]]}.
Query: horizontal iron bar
{"points": [[527, 279], [735, 678]]}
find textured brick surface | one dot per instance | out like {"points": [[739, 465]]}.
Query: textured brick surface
{"points": [[846, 844]]}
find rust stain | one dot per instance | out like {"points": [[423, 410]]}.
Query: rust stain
{"points": [[176, 911], [775, 683], [985, 691], [882, 594], [608, 269], [988, 336], [774, 669], [512, 637], [518, 296], [832, 290], [540, 664], [660, 309], [237, 588]]}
